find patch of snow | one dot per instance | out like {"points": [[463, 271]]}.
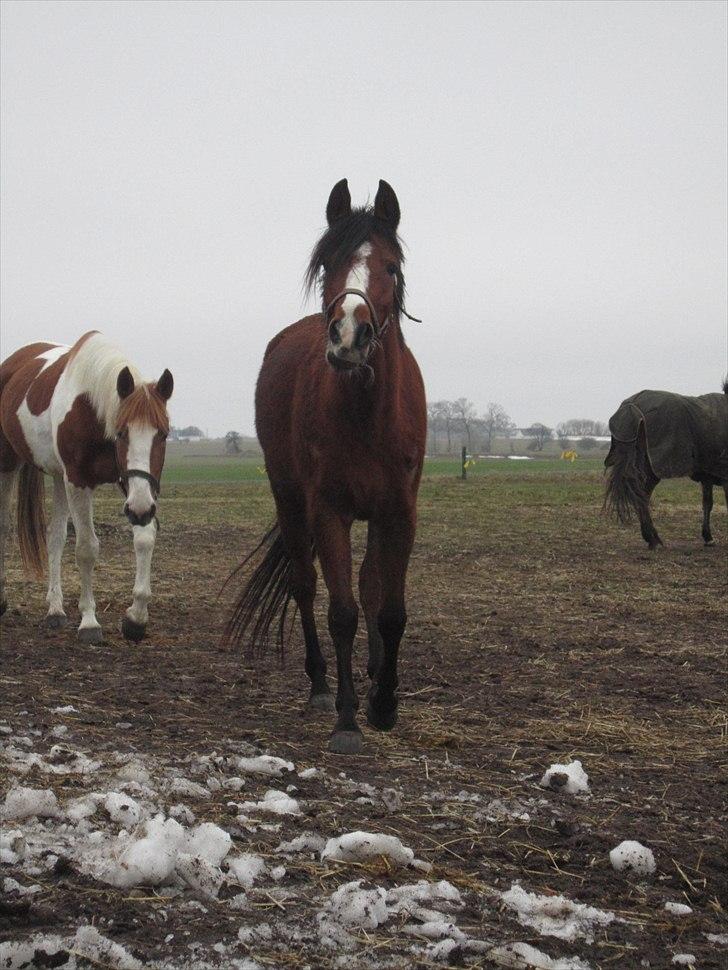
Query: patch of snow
{"points": [[630, 856], [187, 788], [570, 778], [68, 709], [363, 846], [276, 802], [523, 956], [52, 950], [264, 764], [352, 906], [199, 874], [122, 809], [182, 813], [59, 730], [149, 860], [720, 938], [23, 802], [308, 773], [13, 886], [13, 847], [684, 959], [134, 771], [246, 868], [307, 842], [209, 842], [555, 915], [678, 909]]}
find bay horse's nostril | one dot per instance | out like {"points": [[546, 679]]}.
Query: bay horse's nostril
{"points": [[364, 335], [334, 335]]}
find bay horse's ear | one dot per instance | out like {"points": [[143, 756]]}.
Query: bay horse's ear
{"points": [[386, 206], [124, 383], [339, 204], [165, 385]]}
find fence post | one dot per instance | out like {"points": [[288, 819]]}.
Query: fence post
{"points": [[464, 458]]}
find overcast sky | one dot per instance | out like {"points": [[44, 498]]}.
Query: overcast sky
{"points": [[561, 170]]}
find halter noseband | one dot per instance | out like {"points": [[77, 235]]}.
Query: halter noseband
{"points": [[138, 473], [378, 328]]}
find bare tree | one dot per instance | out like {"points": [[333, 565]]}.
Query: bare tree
{"points": [[232, 443], [463, 412], [540, 434], [581, 428], [495, 421], [434, 422]]}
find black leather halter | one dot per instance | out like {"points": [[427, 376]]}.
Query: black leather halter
{"points": [[138, 473], [378, 328]]}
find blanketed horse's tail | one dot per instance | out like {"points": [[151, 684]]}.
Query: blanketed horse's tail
{"points": [[265, 596], [32, 520], [627, 473]]}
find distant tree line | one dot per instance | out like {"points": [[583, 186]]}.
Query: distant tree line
{"points": [[452, 424]]}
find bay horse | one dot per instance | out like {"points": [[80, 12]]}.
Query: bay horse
{"points": [[84, 416], [341, 417], [659, 434]]}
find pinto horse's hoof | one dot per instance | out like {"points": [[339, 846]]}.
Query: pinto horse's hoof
{"points": [[90, 634], [346, 742], [55, 621], [132, 630], [321, 702]]}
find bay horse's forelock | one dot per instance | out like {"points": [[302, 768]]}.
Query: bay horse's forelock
{"points": [[340, 446]]}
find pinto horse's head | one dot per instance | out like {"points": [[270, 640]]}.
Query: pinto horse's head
{"points": [[358, 262], [142, 426]]}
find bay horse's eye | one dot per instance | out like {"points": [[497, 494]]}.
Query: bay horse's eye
{"points": [[392, 269]]}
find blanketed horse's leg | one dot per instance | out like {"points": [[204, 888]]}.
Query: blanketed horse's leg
{"points": [[397, 535], [134, 623], [333, 543], [707, 509], [57, 532], [647, 527], [370, 591], [297, 539], [80, 501], [7, 480]]}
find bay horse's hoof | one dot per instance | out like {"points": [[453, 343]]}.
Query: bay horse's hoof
{"points": [[132, 630], [322, 702], [381, 720], [55, 621], [90, 634], [346, 742]]}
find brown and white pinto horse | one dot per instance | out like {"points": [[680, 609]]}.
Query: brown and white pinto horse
{"points": [[83, 415], [341, 417]]}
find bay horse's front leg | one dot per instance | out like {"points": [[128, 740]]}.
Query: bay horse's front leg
{"points": [[707, 509], [396, 537], [134, 623], [80, 501], [333, 544]]}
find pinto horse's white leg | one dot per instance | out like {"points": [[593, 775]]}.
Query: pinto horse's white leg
{"points": [[134, 623], [80, 501], [7, 480], [57, 532]]}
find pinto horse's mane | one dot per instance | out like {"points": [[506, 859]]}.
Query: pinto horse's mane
{"points": [[342, 239]]}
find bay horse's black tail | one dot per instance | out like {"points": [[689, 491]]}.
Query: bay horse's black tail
{"points": [[628, 473], [265, 596]]}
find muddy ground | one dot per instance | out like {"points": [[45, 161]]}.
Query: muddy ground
{"points": [[538, 633]]}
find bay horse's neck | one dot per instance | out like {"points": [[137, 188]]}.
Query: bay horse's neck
{"points": [[373, 391]]}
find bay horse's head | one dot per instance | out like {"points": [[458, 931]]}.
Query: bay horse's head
{"points": [[142, 426], [358, 263]]}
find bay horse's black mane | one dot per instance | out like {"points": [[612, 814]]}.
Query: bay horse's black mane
{"points": [[343, 238]]}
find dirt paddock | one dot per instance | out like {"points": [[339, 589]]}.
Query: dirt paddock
{"points": [[538, 633]]}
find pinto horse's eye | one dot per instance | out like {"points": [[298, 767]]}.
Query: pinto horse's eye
{"points": [[122, 435], [162, 434]]}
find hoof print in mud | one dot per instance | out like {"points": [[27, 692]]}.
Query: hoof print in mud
{"points": [[132, 630], [346, 742], [91, 634]]}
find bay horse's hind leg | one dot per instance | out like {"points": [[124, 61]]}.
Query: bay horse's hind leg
{"points": [[647, 527], [7, 480], [297, 540], [333, 544], [370, 592], [707, 509], [396, 536]]}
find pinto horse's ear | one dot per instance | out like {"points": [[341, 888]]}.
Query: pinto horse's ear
{"points": [[124, 383], [386, 206], [339, 204], [165, 385]]}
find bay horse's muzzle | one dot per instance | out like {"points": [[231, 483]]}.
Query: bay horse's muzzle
{"points": [[352, 353]]}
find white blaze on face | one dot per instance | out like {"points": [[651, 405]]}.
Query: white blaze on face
{"points": [[358, 279], [140, 498]]}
